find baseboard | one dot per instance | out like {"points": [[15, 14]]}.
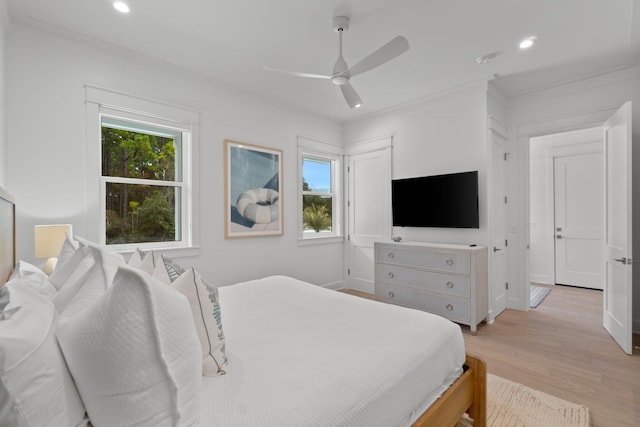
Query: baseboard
{"points": [[335, 286]]}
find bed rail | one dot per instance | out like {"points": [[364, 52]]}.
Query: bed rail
{"points": [[467, 395]]}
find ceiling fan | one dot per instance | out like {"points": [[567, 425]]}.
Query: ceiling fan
{"points": [[342, 72]]}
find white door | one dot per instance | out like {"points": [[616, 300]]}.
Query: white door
{"points": [[369, 213], [497, 218], [617, 236], [578, 201]]}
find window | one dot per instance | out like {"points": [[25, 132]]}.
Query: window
{"points": [[143, 182], [321, 207], [144, 172]]}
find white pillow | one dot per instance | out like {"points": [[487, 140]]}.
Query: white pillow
{"points": [[148, 263], [24, 268], [36, 388], [76, 266], [160, 272], [29, 275], [72, 279], [83, 290], [69, 247], [135, 259], [135, 356], [205, 307]]}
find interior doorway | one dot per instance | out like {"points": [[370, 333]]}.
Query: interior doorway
{"points": [[566, 208]]}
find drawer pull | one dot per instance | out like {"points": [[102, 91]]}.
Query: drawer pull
{"points": [[449, 285], [390, 275], [390, 255], [449, 307], [449, 261], [391, 294]]}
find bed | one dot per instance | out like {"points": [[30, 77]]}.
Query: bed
{"points": [[295, 354]]}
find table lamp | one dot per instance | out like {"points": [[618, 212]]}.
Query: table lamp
{"points": [[48, 243]]}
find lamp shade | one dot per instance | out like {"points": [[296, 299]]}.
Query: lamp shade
{"points": [[50, 238]]}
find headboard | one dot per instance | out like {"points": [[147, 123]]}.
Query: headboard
{"points": [[7, 235]]}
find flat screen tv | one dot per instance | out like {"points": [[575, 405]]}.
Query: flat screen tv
{"points": [[446, 201]]}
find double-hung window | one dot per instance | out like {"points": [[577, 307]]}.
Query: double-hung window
{"points": [[143, 182], [145, 185], [320, 215]]}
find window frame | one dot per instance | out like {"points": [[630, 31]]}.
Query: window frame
{"points": [[311, 149], [103, 103]]}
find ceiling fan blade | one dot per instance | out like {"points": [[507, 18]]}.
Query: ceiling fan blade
{"points": [[296, 73], [395, 47], [350, 95]]}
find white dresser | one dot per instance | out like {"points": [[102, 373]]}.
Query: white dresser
{"points": [[444, 279]]}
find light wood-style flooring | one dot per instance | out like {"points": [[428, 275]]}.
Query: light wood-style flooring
{"points": [[561, 348]]}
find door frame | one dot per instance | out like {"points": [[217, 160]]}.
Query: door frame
{"points": [[519, 297]]}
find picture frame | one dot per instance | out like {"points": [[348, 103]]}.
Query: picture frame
{"points": [[253, 190]]}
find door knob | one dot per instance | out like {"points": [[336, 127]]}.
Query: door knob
{"points": [[558, 236], [622, 260], [496, 249]]}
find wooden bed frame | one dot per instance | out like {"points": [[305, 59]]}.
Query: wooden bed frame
{"points": [[467, 395]]}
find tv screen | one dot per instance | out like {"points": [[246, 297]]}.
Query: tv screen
{"points": [[447, 201]]}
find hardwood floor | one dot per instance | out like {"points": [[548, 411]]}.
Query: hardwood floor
{"points": [[561, 348]]}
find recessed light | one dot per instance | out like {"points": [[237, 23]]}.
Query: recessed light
{"points": [[121, 7], [527, 43]]}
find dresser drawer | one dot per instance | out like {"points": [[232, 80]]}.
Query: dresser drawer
{"points": [[443, 261], [442, 283], [450, 307]]}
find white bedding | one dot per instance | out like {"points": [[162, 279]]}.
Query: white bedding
{"points": [[301, 355]]}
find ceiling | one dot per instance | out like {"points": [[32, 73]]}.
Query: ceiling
{"points": [[231, 40]]}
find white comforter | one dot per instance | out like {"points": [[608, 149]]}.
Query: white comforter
{"points": [[301, 355]]}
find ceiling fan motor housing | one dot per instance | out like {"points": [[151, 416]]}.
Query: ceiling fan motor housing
{"points": [[340, 23]]}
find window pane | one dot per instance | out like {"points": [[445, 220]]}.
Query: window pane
{"points": [[316, 175], [143, 154], [142, 213], [317, 213]]}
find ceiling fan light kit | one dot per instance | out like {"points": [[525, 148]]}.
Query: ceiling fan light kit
{"points": [[342, 73]]}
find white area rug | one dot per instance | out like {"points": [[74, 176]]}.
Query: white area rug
{"points": [[538, 293], [511, 404]]}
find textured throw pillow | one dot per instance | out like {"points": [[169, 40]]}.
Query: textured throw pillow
{"points": [[135, 356], [36, 388], [174, 270], [205, 306]]}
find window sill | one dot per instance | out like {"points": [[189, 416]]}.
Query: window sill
{"points": [[320, 240], [176, 252]]}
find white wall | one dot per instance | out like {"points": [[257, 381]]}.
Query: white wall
{"points": [[46, 151], [443, 134], [3, 128], [575, 105]]}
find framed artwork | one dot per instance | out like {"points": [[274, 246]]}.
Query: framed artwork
{"points": [[253, 190]]}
